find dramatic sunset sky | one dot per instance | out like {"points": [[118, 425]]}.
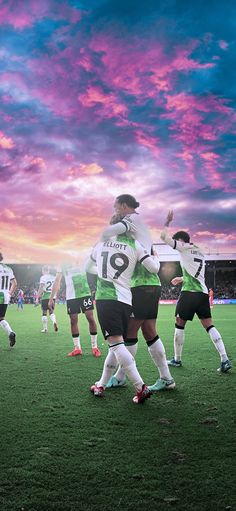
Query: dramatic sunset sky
{"points": [[103, 97]]}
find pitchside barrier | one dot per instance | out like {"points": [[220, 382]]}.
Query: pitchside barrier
{"points": [[224, 301]]}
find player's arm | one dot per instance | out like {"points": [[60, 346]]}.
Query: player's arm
{"points": [[150, 262], [13, 286], [40, 291], [91, 263], [175, 244], [91, 266], [119, 225], [165, 236], [114, 230], [165, 232], [55, 287]]}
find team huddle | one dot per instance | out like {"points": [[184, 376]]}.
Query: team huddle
{"points": [[127, 296]]}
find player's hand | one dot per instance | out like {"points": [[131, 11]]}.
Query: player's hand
{"points": [[115, 218], [169, 218], [51, 303], [176, 281]]}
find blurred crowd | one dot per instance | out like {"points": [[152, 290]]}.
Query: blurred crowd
{"points": [[224, 288]]}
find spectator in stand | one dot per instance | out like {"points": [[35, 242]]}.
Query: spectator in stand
{"points": [[20, 299]]}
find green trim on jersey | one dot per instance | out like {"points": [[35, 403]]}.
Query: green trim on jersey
{"points": [[143, 277], [105, 290], [126, 240], [190, 283], [81, 286], [2, 298]]}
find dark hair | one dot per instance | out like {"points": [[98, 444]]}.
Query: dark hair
{"points": [[1, 257], [182, 235], [128, 199]]}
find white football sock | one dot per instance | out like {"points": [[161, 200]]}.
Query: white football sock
{"points": [[120, 373], [5, 325], [108, 369], [45, 322], [94, 340], [218, 343], [158, 355], [127, 362], [76, 341], [179, 336], [53, 318]]}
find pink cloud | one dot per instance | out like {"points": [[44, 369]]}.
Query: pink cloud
{"points": [[223, 44], [209, 156], [109, 105], [24, 14], [143, 69], [5, 142], [122, 164], [147, 141]]}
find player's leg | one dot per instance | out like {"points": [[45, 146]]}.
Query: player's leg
{"points": [[92, 329], [204, 313], [131, 343], [44, 306], [157, 352], [73, 309], [5, 325], [113, 318], [53, 316], [218, 343], [74, 326], [123, 357], [150, 301], [185, 310], [179, 338]]}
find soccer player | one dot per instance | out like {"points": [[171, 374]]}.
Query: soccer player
{"points": [[8, 286], [20, 299], [78, 299], [146, 290], [130, 222], [116, 260], [194, 295], [44, 292], [211, 297]]}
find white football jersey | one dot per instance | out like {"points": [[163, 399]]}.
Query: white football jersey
{"points": [[76, 282], [116, 260], [192, 262], [134, 225], [6, 275], [47, 282]]}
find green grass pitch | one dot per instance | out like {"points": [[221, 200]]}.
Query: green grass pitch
{"points": [[63, 449]]}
